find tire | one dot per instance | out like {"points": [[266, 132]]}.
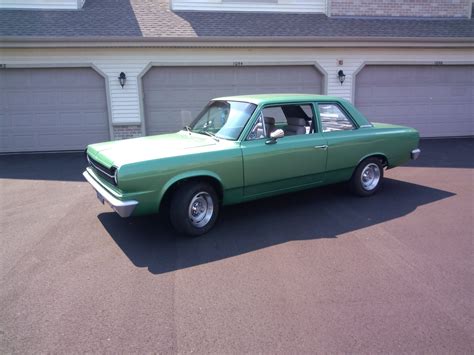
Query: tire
{"points": [[194, 208], [367, 177]]}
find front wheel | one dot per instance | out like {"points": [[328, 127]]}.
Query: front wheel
{"points": [[367, 177], [194, 208]]}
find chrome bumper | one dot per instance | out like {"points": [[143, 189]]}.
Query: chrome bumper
{"points": [[415, 153], [123, 208]]}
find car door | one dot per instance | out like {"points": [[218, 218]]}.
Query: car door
{"points": [[346, 143], [290, 162]]}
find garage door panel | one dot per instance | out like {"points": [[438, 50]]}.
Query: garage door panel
{"points": [[5, 121], [71, 119], [176, 122], [47, 79], [52, 109], [47, 120], [20, 80], [178, 77], [16, 99], [437, 100], [173, 94], [50, 140], [454, 130], [66, 98], [27, 142], [93, 119], [22, 120], [418, 112]]}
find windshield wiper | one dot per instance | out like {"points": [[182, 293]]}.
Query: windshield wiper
{"points": [[210, 134], [187, 128]]}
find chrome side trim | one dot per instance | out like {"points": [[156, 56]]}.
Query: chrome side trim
{"points": [[415, 153], [123, 208]]}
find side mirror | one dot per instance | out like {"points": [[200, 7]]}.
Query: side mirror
{"points": [[279, 133]]}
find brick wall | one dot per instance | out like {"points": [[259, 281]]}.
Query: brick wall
{"points": [[125, 132], [408, 8]]}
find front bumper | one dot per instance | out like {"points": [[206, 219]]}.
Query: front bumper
{"points": [[123, 208], [415, 153]]}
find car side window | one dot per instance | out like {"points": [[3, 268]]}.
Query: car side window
{"points": [[293, 119], [258, 130], [334, 119], [277, 113]]}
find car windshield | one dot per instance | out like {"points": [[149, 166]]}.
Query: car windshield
{"points": [[223, 119]]}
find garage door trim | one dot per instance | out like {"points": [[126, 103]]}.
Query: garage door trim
{"points": [[150, 65], [73, 65]]}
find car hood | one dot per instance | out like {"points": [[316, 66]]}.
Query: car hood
{"points": [[118, 153]]}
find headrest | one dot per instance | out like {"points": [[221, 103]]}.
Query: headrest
{"points": [[295, 121], [269, 120]]}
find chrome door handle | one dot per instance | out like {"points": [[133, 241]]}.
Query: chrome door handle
{"points": [[324, 147]]}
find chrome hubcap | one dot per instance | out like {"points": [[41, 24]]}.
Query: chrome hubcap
{"points": [[200, 209], [370, 176]]}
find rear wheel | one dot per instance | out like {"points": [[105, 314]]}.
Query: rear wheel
{"points": [[367, 177], [194, 208]]}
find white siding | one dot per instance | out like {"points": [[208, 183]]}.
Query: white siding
{"points": [[41, 4], [125, 103], [319, 6]]}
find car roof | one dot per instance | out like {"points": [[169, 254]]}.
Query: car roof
{"points": [[277, 98]]}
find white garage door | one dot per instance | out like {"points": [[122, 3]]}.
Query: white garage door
{"points": [[51, 109], [436, 100], [175, 95]]}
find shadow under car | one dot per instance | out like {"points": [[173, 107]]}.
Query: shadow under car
{"points": [[327, 212]]}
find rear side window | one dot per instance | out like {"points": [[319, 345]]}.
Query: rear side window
{"points": [[334, 119]]}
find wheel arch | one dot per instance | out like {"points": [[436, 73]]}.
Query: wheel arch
{"points": [[174, 183], [380, 156]]}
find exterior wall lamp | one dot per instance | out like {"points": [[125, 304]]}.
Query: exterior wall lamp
{"points": [[341, 76], [122, 79]]}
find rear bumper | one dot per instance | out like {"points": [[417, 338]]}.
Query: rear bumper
{"points": [[415, 153], [123, 208]]}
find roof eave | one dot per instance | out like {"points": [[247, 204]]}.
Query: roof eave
{"points": [[233, 42]]}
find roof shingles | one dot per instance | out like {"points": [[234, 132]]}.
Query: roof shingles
{"points": [[147, 19]]}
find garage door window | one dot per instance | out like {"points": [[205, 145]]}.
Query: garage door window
{"points": [[333, 119]]}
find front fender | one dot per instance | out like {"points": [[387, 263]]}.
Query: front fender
{"points": [[188, 175]]}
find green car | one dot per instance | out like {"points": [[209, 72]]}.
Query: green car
{"points": [[242, 148]]}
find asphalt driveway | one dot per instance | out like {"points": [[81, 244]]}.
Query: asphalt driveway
{"points": [[315, 271]]}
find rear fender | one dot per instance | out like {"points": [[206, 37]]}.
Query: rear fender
{"points": [[377, 154]]}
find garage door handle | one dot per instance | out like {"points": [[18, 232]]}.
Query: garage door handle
{"points": [[324, 147]]}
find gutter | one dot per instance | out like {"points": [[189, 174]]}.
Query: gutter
{"points": [[235, 42]]}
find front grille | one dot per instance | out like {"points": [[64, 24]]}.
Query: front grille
{"points": [[101, 170]]}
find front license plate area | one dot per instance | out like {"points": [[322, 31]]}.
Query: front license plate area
{"points": [[100, 198]]}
